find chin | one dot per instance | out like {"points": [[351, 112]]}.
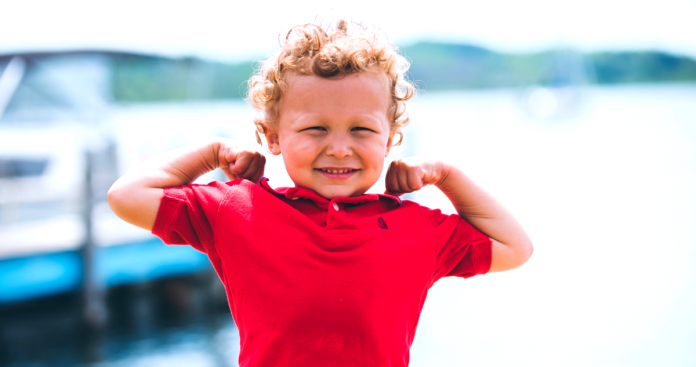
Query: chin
{"points": [[339, 193]]}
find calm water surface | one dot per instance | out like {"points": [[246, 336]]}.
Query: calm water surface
{"points": [[608, 196]]}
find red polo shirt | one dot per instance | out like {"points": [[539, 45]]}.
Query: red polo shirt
{"points": [[317, 282]]}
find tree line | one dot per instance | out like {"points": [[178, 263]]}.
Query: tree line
{"points": [[434, 66]]}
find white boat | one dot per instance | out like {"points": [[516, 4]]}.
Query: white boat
{"points": [[58, 126]]}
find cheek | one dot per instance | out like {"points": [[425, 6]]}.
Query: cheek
{"points": [[299, 151], [377, 143], [373, 152]]}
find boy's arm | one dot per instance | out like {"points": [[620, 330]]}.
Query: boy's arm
{"points": [[136, 196], [511, 246]]}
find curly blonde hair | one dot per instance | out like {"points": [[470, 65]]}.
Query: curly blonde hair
{"points": [[329, 52]]}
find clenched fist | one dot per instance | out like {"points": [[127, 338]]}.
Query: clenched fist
{"points": [[412, 174], [237, 162]]}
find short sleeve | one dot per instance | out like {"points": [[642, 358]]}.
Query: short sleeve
{"points": [[187, 215], [461, 250]]}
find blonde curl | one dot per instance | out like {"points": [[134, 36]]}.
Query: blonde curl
{"points": [[330, 52]]}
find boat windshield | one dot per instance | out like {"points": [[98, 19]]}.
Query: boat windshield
{"points": [[53, 87]]}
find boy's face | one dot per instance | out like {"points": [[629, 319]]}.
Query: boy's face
{"points": [[333, 133]]}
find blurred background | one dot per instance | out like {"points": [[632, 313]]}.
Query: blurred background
{"points": [[579, 116]]}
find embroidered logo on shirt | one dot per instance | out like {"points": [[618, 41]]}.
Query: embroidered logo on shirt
{"points": [[382, 224]]}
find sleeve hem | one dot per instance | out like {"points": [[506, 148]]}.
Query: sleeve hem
{"points": [[482, 257], [165, 216], [431, 237]]}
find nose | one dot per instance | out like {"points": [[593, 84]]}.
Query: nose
{"points": [[339, 146]]}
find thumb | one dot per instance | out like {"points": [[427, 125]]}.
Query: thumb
{"points": [[231, 155], [239, 162]]}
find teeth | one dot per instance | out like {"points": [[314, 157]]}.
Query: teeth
{"points": [[336, 171]]}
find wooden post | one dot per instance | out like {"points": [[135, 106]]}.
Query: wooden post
{"points": [[94, 307]]}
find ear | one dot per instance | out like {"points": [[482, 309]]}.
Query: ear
{"points": [[389, 142], [271, 136]]}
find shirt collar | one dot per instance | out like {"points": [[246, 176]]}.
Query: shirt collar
{"points": [[295, 193]]}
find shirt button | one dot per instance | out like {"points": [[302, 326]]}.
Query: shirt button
{"points": [[335, 206], [295, 198]]}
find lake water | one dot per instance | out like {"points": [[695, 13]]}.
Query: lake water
{"points": [[605, 188], [608, 196]]}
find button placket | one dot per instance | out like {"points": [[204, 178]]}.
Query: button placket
{"points": [[334, 216]]}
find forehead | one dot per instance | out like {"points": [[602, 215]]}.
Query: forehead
{"points": [[357, 93]]}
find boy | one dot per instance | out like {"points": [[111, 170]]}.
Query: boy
{"points": [[322, 274]]}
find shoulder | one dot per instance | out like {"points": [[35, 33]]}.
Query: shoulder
{"points": [[243, 194], [433, 219], [212, 192], [415, 210]]}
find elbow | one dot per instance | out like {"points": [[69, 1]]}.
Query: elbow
{"points": [[121, 202], [527, 249], [111, 197], [510, 256], [115, 199], [523, 251]]}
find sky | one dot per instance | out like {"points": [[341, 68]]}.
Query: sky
{"points": [[238, 30]]}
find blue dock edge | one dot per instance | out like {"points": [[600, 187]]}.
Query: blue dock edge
{"points": [[29, 277]]}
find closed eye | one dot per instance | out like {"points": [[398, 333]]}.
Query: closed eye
{"points": [[315, 128], [361, 129]]}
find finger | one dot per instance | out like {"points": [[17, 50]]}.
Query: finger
{"points": [[230, 176], [403, 180], [390, 181], [230, 154], [387, 178], [397, 187], [254, 165], [259, 172], [241, 163], [227, 155], [413, 177]]}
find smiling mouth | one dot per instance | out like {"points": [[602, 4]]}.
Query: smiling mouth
{"points": [[336, 170], [337, 174]]}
